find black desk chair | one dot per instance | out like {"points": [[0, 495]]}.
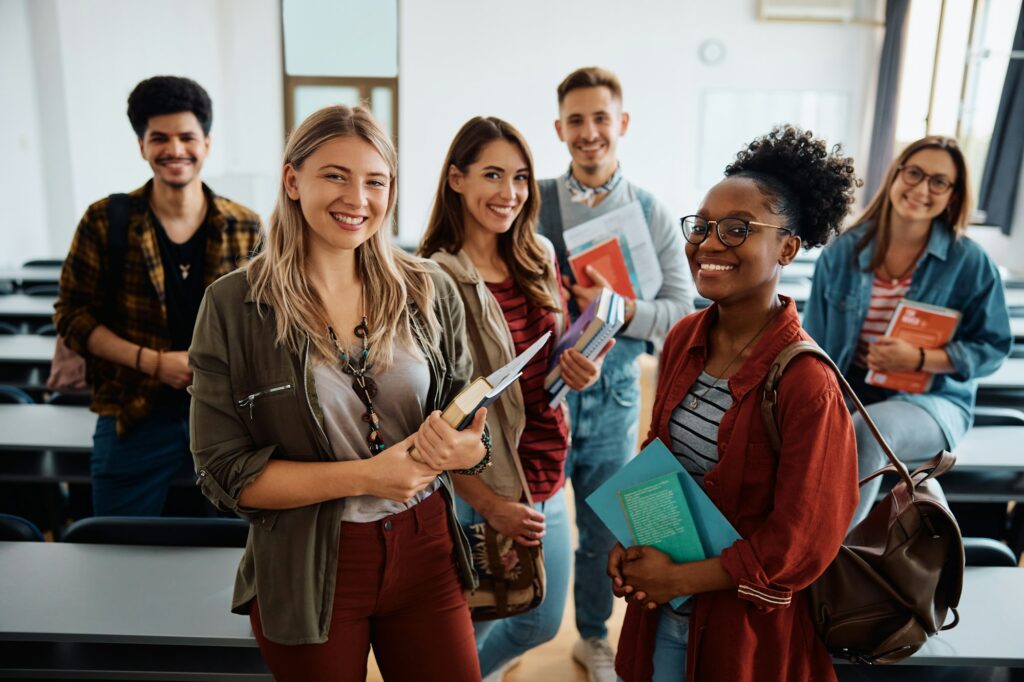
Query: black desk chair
{"points": [[987, 552], [44, 263], [41, 289], [163, 531], [8, 328], [16, 529]]}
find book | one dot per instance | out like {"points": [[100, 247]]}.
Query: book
{"points": [[607, 258], [483, 391], [921, 325], [658, 515], [588, 334], [713, 529]]}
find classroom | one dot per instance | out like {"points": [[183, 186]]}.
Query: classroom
{"points": [[686, 351]]}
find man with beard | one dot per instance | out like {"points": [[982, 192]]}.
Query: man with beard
{"points": [[604, 418], [130, 290]]}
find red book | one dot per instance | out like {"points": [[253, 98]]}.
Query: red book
{"points": [[921, 325], [605, 257]]}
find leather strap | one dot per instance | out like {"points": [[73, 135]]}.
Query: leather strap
{"points": [[771, 385], [486, 369]]}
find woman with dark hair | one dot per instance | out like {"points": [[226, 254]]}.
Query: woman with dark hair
{"points": [[317, 369], [748, 618], [482, 231], [910, 244]]}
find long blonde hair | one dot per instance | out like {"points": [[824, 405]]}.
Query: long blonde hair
{"points": [[393, 282], [879, 212], [519, 247]]}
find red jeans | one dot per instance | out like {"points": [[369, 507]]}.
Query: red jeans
{"points": [[397, 590]]}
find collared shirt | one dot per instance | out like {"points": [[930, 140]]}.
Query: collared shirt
{"points": [[954, 273], [141, 302], [791, 509]]}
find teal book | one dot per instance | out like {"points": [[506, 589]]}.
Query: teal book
{"points": [[659, 516], [713, 529]]}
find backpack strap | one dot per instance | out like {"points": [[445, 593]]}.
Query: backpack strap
{"points": [[551, 223], [119, 207], [770, 397]]}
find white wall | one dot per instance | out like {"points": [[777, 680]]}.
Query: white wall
{"points": [[87, 56], [463, 58]]}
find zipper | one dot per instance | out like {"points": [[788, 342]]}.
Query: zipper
{"points": [[250, 400], [305, 394]]}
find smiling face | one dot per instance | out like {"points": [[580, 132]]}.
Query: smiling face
{"points": [[175, 147], [590, 122], [749, 271], [494, 188], [917, 203], [343, 189]]}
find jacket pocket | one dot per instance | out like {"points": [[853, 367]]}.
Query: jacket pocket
{"points": [[841, 300], [248, 403]]}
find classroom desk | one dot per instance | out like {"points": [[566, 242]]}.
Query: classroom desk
{"points": [[121, 612], [25, 359], [28, 276], [989, 466], [22, 309], [45, 443], [1009, 377]]}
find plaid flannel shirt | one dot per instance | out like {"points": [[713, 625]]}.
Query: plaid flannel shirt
{"points": [[140, 306]]}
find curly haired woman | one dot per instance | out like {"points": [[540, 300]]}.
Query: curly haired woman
{"points": [[748, 619]]}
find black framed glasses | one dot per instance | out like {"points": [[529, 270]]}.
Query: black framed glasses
{"points": [[937, 184], [731, 231]]}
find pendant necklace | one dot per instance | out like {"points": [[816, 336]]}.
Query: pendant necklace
{"points": [[184, 268], [364, 386], [895, 279], [696, 399]]}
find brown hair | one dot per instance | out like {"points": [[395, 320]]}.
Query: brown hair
{"points": [[879, 212], [519, 247], [590, 77], [391, 278]]}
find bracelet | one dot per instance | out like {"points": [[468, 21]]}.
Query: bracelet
{"points": [[138, 358], [156, 370], [920, 362], [485, 438]]}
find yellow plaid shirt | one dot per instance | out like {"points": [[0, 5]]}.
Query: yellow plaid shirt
{"points": [[140, 304]]}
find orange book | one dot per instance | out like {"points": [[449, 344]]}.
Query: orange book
{"points": [[605, 257], [921, 325]]}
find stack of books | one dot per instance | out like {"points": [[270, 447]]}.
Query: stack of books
{"points": [[588, 334]]}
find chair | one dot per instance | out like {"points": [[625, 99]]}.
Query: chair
{"points": [[42, 289], [16, 529], [987, 552], [163, 531], [8, 328], [985, 415], [48, 329], [44, 263], [12, 395]]}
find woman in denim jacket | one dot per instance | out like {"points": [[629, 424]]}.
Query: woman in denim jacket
{"points": [[910, 243]]}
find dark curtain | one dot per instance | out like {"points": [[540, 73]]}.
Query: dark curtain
{"points": [[883, 131], [1001, 179]]}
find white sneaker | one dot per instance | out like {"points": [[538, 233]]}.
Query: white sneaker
{"points": [[596, 655], [499, 674]]}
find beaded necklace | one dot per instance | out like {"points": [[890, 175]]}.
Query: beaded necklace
{"points": [[364, 386]]}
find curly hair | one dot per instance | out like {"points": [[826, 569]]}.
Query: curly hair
{"points": [[168, 95], [808, 185]]}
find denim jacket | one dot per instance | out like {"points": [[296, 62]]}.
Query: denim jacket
{"points": [[955, 273]]}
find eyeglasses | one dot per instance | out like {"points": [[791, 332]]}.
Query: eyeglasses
{"points": [[937, 184], [731, 231]]}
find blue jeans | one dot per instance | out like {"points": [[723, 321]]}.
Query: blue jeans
{"points": [[670, 648], [499, 641], [131, 474], [604, 421]]}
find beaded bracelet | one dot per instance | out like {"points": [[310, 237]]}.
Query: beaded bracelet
{"points": [[485, 438]]}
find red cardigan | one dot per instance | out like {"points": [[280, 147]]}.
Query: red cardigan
{"points": [[792, 510]]}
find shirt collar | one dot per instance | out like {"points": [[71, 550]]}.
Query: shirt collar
{"points": [[582, 194], [939, 241]]}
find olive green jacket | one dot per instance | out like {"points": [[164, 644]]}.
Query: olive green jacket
{"points": [[253, 400]]}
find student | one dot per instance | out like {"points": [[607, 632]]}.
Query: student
{"points": [[748, 619], [482, 232], [604, 418], [910, 243], [317, 369], [130, 291]]}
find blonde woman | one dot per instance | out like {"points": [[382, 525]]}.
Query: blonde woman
{"points": [[317, 369]]}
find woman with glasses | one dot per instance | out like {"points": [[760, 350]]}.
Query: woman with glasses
{"points": [[748, 618], [910, 244]]}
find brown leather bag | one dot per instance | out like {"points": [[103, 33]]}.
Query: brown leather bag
{"points": [[900, 571]]}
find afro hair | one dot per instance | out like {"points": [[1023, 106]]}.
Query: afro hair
{"points": [[168, 95]]}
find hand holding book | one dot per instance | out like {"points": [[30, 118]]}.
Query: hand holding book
{"points": [[580, 372], [445, 448]]}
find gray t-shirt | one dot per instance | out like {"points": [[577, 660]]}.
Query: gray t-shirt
{"points": [[401, 395]]}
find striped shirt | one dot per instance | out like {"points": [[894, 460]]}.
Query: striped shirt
{"points": [[693, 426], [885, 295], [545, 439]]}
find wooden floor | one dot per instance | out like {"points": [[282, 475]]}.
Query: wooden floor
{"points": [[552, 662]]}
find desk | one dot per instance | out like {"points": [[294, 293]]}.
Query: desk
{"points": [[29, 276], [28, 311], [65, 607], [45, 443], [26, 349], [1009, 377]]}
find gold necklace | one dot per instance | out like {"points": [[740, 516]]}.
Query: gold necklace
{"points": [[696, 399]]}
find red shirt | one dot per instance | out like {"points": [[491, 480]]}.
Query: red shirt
{"points": [[792, 510], [545, 439]]}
